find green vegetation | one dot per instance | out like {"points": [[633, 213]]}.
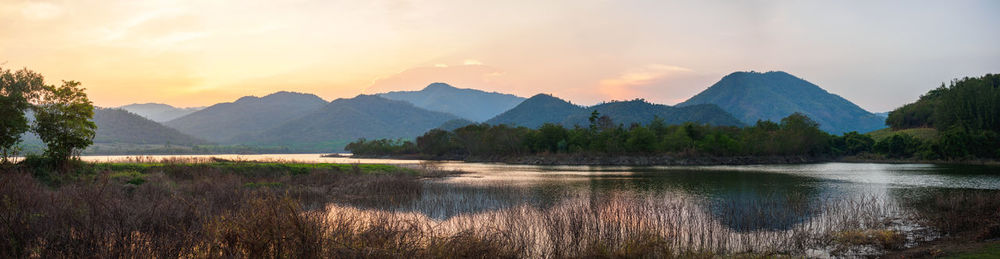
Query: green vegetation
{"points": [[965, 114], [795, 135], [62, 115], [923, 134], [17, 91], [988, 251]]}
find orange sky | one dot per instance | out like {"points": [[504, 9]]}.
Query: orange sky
{"points": [[195, 53]]}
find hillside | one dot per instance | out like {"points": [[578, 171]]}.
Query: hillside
{"points": [[537, 110], [542, 108], [159, 112], [247, 116], [752, 96], [121, 126], [470, 104], [345, 120], [642, 112]]}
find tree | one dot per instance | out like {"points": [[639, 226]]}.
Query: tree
{"points": [[63, 120], [17, 91]]}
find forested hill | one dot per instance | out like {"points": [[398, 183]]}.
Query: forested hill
{"points": [[247, 116], [470, 104], [537, 110], [120, 126], [970, 104], [641, 112], [541, 109], [364, 116], [752, 96], [159, 112]]}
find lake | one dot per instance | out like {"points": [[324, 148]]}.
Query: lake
{"points": [[727, 209]]}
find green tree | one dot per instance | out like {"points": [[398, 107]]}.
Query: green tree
{"points": [[63, 120], [17, 91]]}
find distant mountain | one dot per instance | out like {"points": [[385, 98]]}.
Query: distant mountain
{"points": [[882, 114], [642, 112], [537, 110], [364, 116], [247, 116], [752, 96], [470, 104], [159, 112], [541, 109], [120, 126]]}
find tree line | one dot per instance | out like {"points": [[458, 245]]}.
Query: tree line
{"points": [[795, 135], [62, 115], [966, 114]]}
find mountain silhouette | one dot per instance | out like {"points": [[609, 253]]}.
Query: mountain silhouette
{"points": [[752, 96], [469, 104], [248, 115]]}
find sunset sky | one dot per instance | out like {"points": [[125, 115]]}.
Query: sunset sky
{"points": [[879, 54]]}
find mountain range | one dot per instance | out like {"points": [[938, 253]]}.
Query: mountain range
{"points": [[159, 112], [306, 123], [543, 108], [121, 126], [247, 116], [469, 104], [753, 96], [364, 116]]}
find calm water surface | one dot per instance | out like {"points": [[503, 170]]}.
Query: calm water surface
{"points": [[487, 186]]}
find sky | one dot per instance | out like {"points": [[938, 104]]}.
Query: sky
{"points": [[878, 54]]}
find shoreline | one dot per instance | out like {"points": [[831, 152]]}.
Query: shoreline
{"points": [[668, 160]]}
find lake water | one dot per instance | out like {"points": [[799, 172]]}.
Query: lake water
{"points": [[719, 208]]}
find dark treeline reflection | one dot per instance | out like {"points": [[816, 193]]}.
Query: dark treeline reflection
{"points": [[737, 200]]}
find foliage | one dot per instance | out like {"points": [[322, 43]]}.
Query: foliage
{"points": [[381, 147], [63, 120], [795, 135], [966, 114], [971, 103], [17, 91]]}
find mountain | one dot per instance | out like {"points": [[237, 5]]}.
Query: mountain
{"points": [[470, 104], [121, 126], [752, 96], [537, 110], [247, 116], [364, 116], [642, 112], [541, 109], [159, 112]]}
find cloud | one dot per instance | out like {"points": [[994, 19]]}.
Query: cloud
{"points": [[633, 83]]}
